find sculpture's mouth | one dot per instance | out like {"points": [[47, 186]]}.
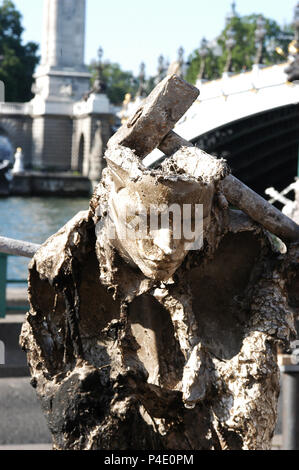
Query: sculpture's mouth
{"points": [[159, 269], [162, 263]]}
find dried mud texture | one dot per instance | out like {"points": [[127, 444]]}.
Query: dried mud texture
{"points": [[120, 361]]}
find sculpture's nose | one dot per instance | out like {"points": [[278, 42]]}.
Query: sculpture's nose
{"points": [[163, 239]]}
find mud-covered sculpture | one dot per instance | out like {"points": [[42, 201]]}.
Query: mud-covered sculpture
{"points": [[144, 343]]}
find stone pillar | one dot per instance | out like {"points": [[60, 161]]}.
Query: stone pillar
{"points": [[62, 75], [93, 122], [52, 142], [49, 32], [61, 81], [61, 47]]}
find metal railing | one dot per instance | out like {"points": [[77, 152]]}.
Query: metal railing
{"points": [[3, 286], [280, 196], [10, 247], [15, 108]]}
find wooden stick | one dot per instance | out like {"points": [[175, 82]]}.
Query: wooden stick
{"points": [[17, 247], [260, 210]]}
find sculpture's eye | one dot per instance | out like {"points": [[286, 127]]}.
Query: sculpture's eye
{"points": [[130, 220], [137, 223]]}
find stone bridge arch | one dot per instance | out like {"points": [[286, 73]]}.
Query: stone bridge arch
{"points": [[262, 149]]}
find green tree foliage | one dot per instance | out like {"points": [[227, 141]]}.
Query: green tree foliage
{"points": [[117, 81], [244, 52], [17, 60]]}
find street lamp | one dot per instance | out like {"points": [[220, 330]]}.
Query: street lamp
{"points": [[293, 69], [203, 51], [161, 69], [260, 34], [99, 84], [181, 62], [141, 90], [230, 44], [232, 14], [296, 22]]}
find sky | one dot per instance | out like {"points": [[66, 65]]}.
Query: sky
{"points": [[135, 31]]}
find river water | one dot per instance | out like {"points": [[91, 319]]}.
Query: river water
{"points": [[34, 219]]}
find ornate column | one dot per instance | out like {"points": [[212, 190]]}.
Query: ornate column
{"points": [[61, 80], [230, 40], [99, 84], [181, 62], [64, 33], [230, 44], [293, 69], [62, 75], [260, 34], [141, 90], [202, 52], [161, 69]]}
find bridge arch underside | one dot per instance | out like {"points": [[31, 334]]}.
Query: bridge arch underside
{"points": [[262, 150]]}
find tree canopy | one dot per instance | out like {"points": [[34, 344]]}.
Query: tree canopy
{"points": [[117, 81], [244, 52], [17, 60]]}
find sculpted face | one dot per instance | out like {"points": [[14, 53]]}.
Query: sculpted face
{"points": [[156, 222]]}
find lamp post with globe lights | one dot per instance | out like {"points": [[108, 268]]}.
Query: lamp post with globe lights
{"points": [[230, 44], [203, 51], [260, 34], [293, 69]]}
